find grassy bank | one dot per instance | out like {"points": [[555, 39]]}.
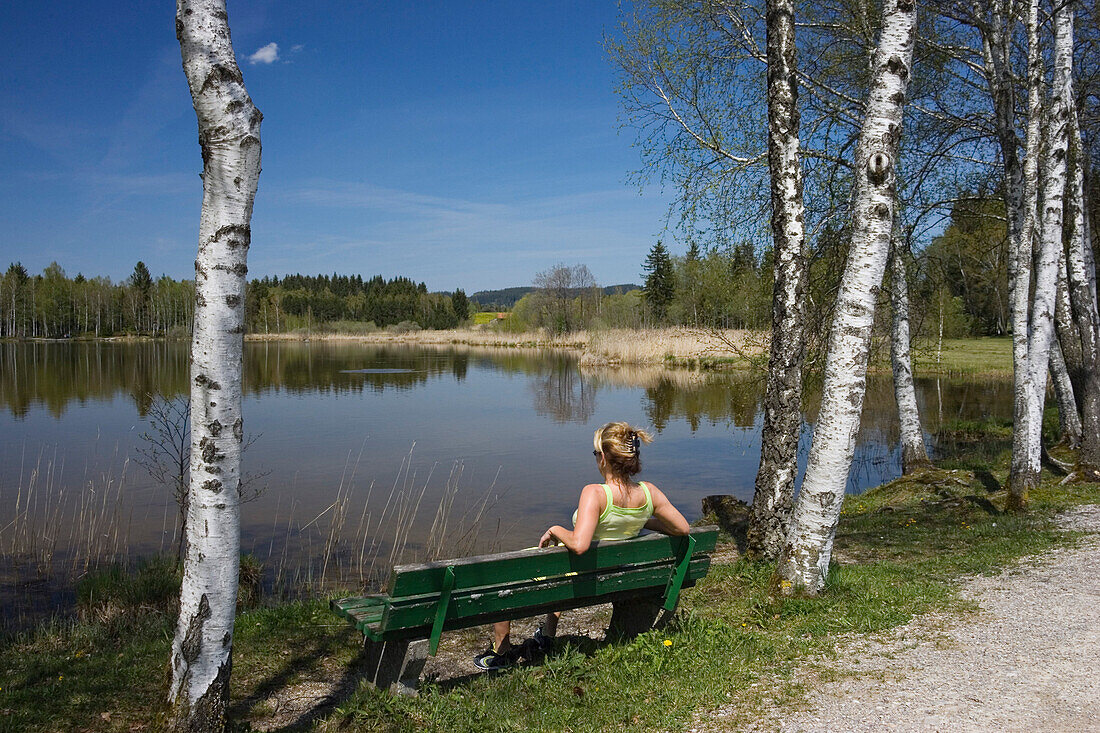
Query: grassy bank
{"points": [[899, 549], [974, 356]]}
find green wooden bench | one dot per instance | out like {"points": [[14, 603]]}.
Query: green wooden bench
{"points": [[642, 577]]}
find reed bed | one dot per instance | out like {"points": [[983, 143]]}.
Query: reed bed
{"points": [[672, 346], [53, 536], [48, 528], [329, 552], [459, 336], [655, 346]]}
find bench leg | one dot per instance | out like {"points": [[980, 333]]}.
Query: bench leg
{"points": [[636, 616], [395, 665]]}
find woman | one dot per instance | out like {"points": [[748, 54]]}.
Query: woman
{"points": [[617, 509]]}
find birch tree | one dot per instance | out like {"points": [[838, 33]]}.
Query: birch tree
{"points": [[1065, 327], [1021, 479], [914, 455], [1050, 243], [1081, 285], [804, 562], [229, 137], [1068, 420], [774, 491]]}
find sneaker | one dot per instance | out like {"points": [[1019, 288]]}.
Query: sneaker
{"points": [[540, 642], [491, 661]]}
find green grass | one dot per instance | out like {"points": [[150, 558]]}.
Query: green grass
{"points": [[972, 356], [898, 551], [480, 319]]}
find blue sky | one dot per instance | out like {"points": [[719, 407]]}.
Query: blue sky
{"points": [[465, 144]]}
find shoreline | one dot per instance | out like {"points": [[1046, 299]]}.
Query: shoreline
{"points": [[686, 348]]}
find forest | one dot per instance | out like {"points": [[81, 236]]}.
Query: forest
{"points": [[958, 282], [53, 305]]}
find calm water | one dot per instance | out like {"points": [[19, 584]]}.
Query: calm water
{"points": [[352, 438]]}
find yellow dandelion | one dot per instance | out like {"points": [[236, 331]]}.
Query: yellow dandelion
{"points": [[668, 642]]}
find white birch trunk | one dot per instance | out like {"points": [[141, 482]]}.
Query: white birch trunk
{"points": [[804, 563], [1050, 247], [774, 492], [1068, 419], [1081, 281], [1065, 327], [229, 136], [1021, 476], [914, 455]]}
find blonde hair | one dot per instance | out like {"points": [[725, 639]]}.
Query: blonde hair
{"points": [[620, 443]]}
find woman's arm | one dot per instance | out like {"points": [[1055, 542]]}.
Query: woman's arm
{"points": [[578, 539], [666, 518]]}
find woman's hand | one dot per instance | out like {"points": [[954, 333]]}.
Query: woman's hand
{"points": [[548, 539]]}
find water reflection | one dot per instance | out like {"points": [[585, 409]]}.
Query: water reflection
{"points": [[54, 375], [336, 414], [564, 395]]}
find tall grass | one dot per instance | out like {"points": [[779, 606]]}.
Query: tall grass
{"points": [[354, 543], [54, 536], [98, 526]]}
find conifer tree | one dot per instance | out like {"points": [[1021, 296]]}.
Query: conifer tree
{"points": [[660, 282]]}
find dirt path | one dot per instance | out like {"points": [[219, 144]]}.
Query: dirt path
{"points": [[1029, 661]]}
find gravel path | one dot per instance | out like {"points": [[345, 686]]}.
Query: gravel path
{"points": [[1029, 661]]}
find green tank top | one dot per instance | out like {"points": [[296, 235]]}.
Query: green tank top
{"points": [[618, 522]]}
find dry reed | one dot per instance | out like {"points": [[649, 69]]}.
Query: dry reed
{"points": [[652, 346], [669, 345], [57, 537]]}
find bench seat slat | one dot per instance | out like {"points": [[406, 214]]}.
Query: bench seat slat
{"points": [[353, 608], [421, 632], [482, 570], [403, 617]]}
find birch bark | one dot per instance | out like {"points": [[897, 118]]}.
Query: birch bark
{"points": [[1022, 478], [774, 492], [229, 136], [804, 562], [1046, 270], [914, 455], [1065, 327], [1081, 280], [1068, 419]]}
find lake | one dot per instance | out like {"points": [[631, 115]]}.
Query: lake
{"points": [[365, 453]]}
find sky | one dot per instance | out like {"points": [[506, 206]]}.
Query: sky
{"points": [[465, 144]]}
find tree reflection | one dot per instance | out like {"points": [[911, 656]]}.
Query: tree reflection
{"points": [[564, 395], [728, 398], [53, 375]]}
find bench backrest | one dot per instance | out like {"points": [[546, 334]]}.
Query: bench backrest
{"points": [[522, 565], [428, 598]]}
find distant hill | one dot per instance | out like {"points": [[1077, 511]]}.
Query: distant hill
{"points": [[508, 297]]}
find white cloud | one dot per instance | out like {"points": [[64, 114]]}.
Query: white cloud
{"points": [[268, 54]]}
